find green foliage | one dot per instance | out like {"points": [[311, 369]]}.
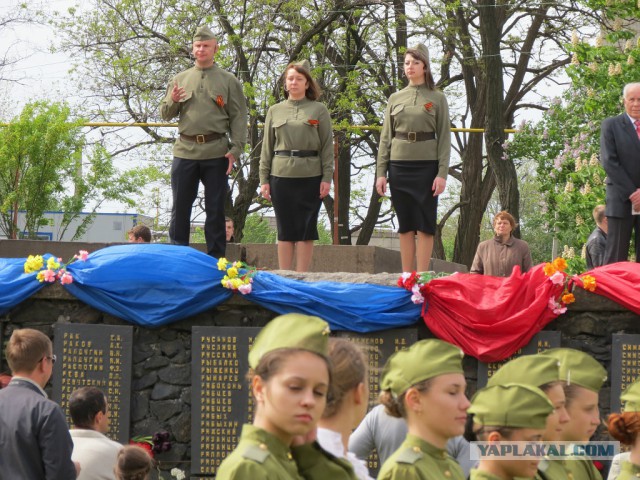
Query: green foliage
{"points": [[257, 230]]}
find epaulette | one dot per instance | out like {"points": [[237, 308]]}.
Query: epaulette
{"points": [[255, 453], [409, 455]]}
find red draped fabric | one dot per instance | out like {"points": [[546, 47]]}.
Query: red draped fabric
{"points": [[490, 317], [619, 282]]}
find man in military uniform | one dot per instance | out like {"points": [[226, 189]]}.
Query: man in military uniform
{"points": [[210, 104]]}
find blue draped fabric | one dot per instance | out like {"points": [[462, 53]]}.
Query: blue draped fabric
{"points": [[156, 284], [15, 285]]}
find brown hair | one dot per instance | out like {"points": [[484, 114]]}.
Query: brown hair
{"points": [[482, 431], [571, 392], [504, 215], [624, 426], [26, 348], [598, 214], [141, 231], [428, 76], [395, 406], [133, 463], [349, 369], [313, 91]]}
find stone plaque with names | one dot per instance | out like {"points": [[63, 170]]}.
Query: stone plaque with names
{"points": [[221, 400], [379, 346], [625, 365], [540, 342], [95, 356]]}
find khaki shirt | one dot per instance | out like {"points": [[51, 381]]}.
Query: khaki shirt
{"points": [[629, 471], [258, 456], [498, 259], [297, 125], [314, 463], [416, 109], [419, 460], [554, 470], [213, 103], [482, 475], [583, 469]]}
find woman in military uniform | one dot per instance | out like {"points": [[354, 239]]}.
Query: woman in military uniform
{"points": [[426, 386], [542, 372], [290, 380], [583, 377], [296, 165], [415, 146], [625, 428], [509, 413]]}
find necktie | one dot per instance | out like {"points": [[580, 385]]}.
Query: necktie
{"points": [[637, 124]]}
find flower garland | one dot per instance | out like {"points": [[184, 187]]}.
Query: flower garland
{"points": [[235, 279], [556, 272], [416, 283], [55, 268], [158, 443]]}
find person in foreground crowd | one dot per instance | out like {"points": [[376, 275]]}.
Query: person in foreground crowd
{"points": [[583, 377], [415, 148], [209, 103], [34, 437], [619, 152], [597, 241], [383, 433], [509, 413], [290, 380], [498, 255], [625, 427], [347, 402], [542, 372], [133, 463], [431, 397], [89, 411], [296, 164]]}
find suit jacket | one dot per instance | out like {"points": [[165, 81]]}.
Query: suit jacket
{"points": [[620, 158], [34, 436]]}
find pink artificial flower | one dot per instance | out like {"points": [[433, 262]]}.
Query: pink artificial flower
{"points": [[555, 307], [557, 278], [417, 297], [66, 278], [82, 255], [245, 289], [49, 276]]}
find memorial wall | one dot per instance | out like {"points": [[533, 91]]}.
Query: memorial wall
{"points": [[188, 378]]}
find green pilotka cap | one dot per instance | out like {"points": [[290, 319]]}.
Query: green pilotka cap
{"points": [[304, 64], [203, 34], [511, 405], [630, 398], [420, 48], [292, 330], [534, 370], [423, 360], [578, 368]]}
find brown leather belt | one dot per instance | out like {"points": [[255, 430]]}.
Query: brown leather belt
{"points": [[416, 136], [202, 138], [297, 153]]}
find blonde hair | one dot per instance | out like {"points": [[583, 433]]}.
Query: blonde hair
{"points": [[133, 463], [349, 369], [26, 348]]}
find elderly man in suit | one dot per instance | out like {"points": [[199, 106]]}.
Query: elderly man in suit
{"points": [[620, 158]]}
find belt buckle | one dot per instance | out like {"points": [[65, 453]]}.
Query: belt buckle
{"points": [[411, 136], [292, 153], [200, 139]]}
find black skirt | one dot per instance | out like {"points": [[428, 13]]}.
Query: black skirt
{"points": [[412, 196], [296, 202]]}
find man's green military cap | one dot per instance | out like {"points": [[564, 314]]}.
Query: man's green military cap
{"points": [[578, 368], [630, 398], [292, 330], [203, 34], [423, 360], [511, 405], [534, 370]]}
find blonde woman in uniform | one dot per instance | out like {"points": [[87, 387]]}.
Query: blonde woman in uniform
{"points": [[415, 146], [296, 165], [425, 385]]}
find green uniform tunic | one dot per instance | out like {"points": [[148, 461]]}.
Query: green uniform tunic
{"points": [[314, 463], [629, 471], [480, 475], [583, 469], [554, 470], [213, 103], [259, 456], [416, 109], [417, 459], [297, 125]]}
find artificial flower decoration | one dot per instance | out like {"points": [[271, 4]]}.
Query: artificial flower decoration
{"points": [[314, 123], [54, 269], [588, 283], [416, 283], [428, 106], [556, 273], [220, 101], [158, 443], [239, 276]]}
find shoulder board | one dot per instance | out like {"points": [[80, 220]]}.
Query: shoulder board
{"points": [[255, 453], [409, 455]]}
